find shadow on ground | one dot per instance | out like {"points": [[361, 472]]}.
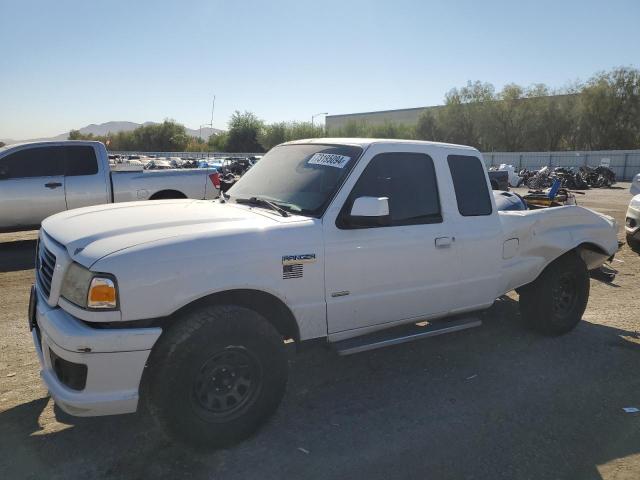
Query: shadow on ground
{"points": [[17, 255], [494, 402]]}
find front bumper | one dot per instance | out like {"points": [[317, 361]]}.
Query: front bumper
{"points": [[114, 360], [632, 222]]}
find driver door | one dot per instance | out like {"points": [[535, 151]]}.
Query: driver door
{"points": [[401, 272], [31, 186]]}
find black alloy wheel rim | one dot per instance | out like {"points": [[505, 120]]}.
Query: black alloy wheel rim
{"points": [[565, 294], [226, 383]]}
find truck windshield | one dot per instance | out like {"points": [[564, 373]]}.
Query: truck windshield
{"points": [[300, 178]]}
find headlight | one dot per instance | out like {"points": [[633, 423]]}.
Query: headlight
{"points": [[635, 202], [87, 289]]}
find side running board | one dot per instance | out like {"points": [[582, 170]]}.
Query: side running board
{"points": [[403, 334]]}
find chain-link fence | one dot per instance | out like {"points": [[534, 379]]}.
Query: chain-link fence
{"points": [[624, 163]]}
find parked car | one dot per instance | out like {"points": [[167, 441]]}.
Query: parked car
{"points": [[158, 164], [183, 306], [43, 178], [632, 221]]}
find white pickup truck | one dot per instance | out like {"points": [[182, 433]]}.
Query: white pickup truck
{"points": [[632, 220], [187, 305], [43, 178]]}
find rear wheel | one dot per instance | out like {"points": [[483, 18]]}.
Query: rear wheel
{"points": [[216, 376], [553, 304]]}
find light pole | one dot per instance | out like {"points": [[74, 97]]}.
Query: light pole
{"points": [[317, 115], [210, 125]]}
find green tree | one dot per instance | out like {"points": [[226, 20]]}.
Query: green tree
{"points": [[610, 110], [244, 129], [272, 135], [74, 135], [464, 108], [504, 119], [300, 130], [218, 142], [428, 128]]}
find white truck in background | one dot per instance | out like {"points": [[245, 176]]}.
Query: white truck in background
{"points": [[632, 220], [357, 243], [43, 178]]}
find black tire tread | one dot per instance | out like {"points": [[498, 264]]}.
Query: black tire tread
{"points": [[182, 342], [634, 243], [536, 300]]}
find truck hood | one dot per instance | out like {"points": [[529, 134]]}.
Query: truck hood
{"points": [[91, 233]]}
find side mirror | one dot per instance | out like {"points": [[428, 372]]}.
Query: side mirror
{"points": [[369, 212]]}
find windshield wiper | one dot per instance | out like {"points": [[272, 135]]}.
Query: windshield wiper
{"points": [[263, 202]]}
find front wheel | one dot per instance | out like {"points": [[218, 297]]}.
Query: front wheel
{"points": [[216, 376], [553, 304], [634, 243]]}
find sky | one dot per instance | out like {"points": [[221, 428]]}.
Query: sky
{"points": [[65, 64]]}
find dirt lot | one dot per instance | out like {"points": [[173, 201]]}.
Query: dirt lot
{"points": [[488, 403]]}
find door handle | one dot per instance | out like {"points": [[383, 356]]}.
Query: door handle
{"points": [[53, 185], [444, 242]]}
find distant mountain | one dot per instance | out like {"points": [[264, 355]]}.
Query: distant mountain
{"points": [[115, 127]]}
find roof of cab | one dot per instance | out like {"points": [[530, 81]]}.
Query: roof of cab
{"points": [[365, 142], [50, 143]]}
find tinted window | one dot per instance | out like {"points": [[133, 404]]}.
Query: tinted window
{"points": [[33, 162], [81, 160], [470, 184], [408, 180]]}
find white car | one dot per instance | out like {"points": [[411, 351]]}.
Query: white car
{"points": [[632, 221], [359, 243]]}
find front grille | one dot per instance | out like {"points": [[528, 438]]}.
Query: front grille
{"points": [[44, 269]]}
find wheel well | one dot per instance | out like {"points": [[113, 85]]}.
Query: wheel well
{"points": [[591, 246], [591, 254], [166, 194], [588, 252], [266, 304]]}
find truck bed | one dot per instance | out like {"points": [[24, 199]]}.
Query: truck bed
{"points": [[141, 185]]}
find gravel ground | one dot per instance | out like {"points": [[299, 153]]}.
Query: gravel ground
{"points": [[497, 402]]}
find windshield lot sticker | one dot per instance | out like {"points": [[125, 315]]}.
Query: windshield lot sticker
{"points": [[329, 160], [297, 259]]}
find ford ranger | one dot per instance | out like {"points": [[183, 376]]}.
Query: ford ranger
{"points": [[186, 307], [43, 178]]}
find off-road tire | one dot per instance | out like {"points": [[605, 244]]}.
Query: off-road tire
{"points": [[634, 243], [185, 372], [553, 304]]}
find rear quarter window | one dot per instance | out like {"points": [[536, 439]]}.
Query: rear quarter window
{"points": [[470, 185], [81, 160]]}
